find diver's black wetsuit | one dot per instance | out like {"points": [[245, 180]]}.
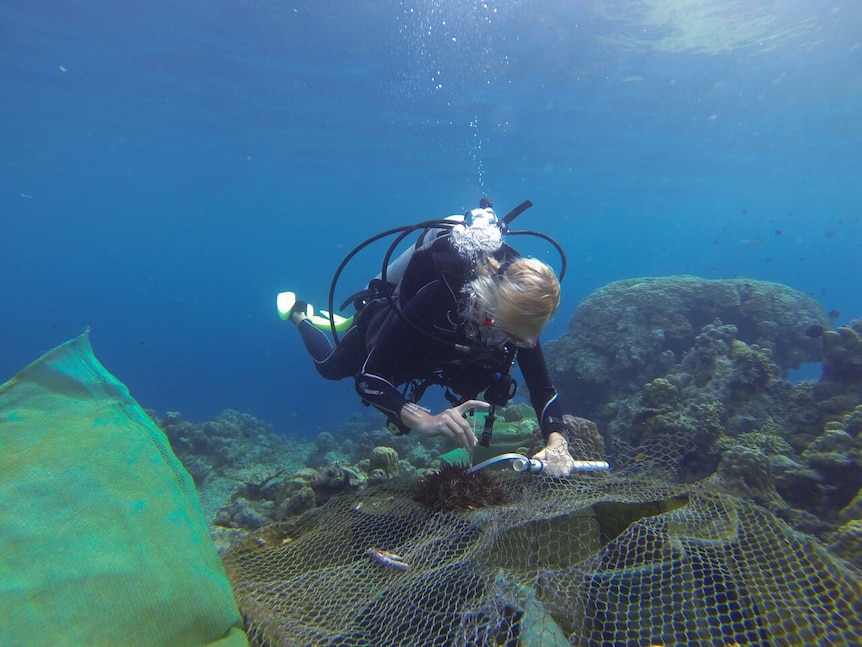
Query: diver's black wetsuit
{"points": [[381, 350]]}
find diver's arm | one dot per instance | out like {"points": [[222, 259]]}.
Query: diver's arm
{"points": [[383, 396], [404, 415], [543, 395], [556, 457], [450, 423]]}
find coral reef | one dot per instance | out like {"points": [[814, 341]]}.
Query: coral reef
{"points": [[843, 350], [747, 473], [296, 494], [239, 514], [326, 450], [840, 388], [846, 542], [232, 455], [721, 386], [384, 459], [280, 499], [631, 332], [685, 378], [585, 441], [695, 372]]}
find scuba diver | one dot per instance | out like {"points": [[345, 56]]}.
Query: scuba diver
{"points": [[458, 309]]}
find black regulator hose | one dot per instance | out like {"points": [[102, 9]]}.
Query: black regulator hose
{"points": [[405, 231]]}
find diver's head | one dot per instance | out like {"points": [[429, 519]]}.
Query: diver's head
{"points": [[517, 300]]}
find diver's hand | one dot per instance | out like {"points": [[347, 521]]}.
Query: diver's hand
{"points": [[450, 423], [556, 457]]}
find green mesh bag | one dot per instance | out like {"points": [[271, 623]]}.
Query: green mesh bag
{"points": [[102, 541]]}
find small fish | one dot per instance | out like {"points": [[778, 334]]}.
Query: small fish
{"points": [[834, 314], [387, 558]]}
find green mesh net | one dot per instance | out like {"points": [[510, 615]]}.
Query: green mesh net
{"points": [[102, 541]]}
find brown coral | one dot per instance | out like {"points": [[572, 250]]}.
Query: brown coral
{"points": [[585, 441], [384, 459]]}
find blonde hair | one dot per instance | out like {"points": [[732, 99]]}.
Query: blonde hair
{"points": [[522, 299]]}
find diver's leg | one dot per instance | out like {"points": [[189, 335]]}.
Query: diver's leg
{"points": [[333, 363], [316, 341]]}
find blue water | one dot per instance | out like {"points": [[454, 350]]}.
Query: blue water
{"points": [[168, 167]]}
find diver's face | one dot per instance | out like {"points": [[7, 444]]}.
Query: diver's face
{"points": [[495, 333]]}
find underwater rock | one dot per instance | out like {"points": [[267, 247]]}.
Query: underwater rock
{"points": [[364, 444], [802, 487], [258, 484], [690, 368], [295, 494], [585, 441], [240, 514], [853, 510], [853, 422], [231, 447], [839, 390], [326, 450], [384, 459], [690, 375], [377, 477], [297, 503], [660, 394], [747, 473], [293, 483], [846, 542], [837, 457], [336, 478], [421, 456], [223, 441], [624, 334], [516, 412], [752, 365], [225, 539], [198, 469], [843, 350]]}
